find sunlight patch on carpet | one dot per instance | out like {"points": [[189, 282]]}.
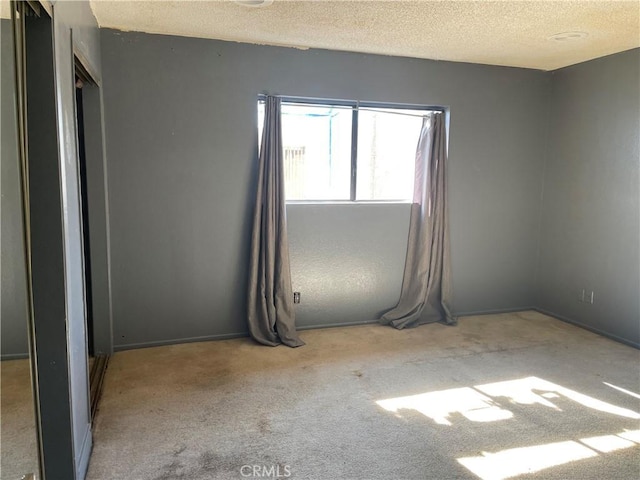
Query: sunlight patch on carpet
{"points": [[633, 435], [608, 443], [481, 404], [478, 404], [517, 461], [523, 391], [623, 390], [441, 404]]}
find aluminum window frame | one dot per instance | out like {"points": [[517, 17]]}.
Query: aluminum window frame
{"points": [[356, 106]]}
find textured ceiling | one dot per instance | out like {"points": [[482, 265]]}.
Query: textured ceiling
{"points": [[5, 9], [513, 33]]}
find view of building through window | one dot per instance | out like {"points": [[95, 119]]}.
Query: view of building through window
{"points": [[318, 157], [324, 135]]}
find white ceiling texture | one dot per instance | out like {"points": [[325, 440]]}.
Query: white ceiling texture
{"points": [[541, 34]]}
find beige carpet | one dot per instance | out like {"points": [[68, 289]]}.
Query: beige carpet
{"points": [[495, 397], [18, 454]]}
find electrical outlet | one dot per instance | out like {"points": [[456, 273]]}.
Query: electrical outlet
{"points": [[586, 296]]}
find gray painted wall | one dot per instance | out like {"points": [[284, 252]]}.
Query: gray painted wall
{"points": [[590, 230], [356, 273], [181, 145], [14, 286]]}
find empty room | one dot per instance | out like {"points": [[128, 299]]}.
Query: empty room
{"points": [[320, 240]]}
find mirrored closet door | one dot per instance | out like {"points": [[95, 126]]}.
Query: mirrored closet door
{"points": [[19, 457]]}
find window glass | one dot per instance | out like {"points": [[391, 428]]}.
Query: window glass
{"points": [[387, 145], [316, 145], [317, 153]]}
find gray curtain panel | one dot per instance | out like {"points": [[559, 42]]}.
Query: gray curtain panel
{"points": [[270, 298], [426, 285]]}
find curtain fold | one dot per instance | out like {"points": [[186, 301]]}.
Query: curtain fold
{"points": [[270, 308], [426, 286]]}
